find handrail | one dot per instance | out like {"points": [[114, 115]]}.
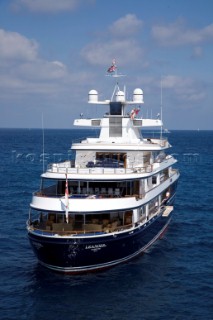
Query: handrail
{"points": [[98, 170], [79, 232], [90, 196]]}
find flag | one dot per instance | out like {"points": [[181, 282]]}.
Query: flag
{"points": [[134, 113], [112, 68], [66, 200], [137, 111]]}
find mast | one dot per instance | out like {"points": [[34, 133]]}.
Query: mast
{"points": [[161, 108], [112, 71], [42, 119]]}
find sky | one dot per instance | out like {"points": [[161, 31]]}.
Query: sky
{"points": [[52, 53]]}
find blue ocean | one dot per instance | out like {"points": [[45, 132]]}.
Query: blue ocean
{"points": [[173, 280]]}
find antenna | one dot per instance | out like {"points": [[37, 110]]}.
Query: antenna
{"points": [[125, 92], [116, 88], [161, 107], [42, 120]]}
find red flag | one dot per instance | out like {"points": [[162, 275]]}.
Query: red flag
{"points": [[134, 113], [112, 68], [137, 111]]}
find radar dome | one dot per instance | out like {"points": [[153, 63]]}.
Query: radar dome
{"points": [[119, 96], [93, 96], [138, 95]]}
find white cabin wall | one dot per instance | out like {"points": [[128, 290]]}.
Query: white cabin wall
{"points": [[135, 216], [104, 133], [130, 132], [142, 187], [158, 178]]}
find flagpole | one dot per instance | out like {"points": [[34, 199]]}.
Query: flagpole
{"points": [[42, 119], [161, 107], [66, 201]]}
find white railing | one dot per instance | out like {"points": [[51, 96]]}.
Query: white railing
{"points": [[57, 168]]}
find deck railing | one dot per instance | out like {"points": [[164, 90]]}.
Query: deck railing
{"points": [[114, 195], [67, 229], [59, 168]]}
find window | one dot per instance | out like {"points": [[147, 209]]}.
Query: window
{"points": [[154, 179], [115, 108]]}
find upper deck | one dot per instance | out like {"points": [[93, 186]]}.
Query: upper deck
{"points": [[148, 144], [120, 149], [119, 125], [113, 172]]}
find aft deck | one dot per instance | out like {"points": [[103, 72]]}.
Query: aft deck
{"points": [[96, 226], [79, 227]]}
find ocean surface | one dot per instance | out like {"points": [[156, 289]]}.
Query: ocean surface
{"points": [[173, 280]]}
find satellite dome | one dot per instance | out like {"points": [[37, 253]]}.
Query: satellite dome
{"points": [[138, 95], [119, 96], [93, 96]]}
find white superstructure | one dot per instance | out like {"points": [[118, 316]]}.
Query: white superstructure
{"points": [[118, 155]]}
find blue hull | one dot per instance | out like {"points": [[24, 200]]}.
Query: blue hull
{"points": [[89, 253]]}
